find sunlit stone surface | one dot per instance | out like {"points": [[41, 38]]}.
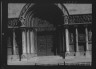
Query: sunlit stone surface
{"points": [[38, 46]]}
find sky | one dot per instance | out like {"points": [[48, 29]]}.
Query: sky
{"points": [[14, 9]]}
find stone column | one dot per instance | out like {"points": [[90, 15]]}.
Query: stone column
{"points": [[35, 41], [14, 43], [67, 41], [87, 47], [14, 56], [24, 42], [77, 47], [32, 42], [63, 45], [28, 46], [63, 42]]}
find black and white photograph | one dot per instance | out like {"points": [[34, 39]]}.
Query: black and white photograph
{"points": [[49, 34]]}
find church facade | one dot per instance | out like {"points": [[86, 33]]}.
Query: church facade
{"points": [[49, 29]]}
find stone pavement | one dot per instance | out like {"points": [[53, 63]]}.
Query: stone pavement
{"points": [[51, 60]]}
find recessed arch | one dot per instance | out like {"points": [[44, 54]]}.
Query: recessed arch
{"points": [[32, 9]]}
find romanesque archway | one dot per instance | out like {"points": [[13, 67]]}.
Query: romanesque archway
{"points": [[30, 9], [51, 15]]}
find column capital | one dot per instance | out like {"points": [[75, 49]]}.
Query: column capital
{"points": [[66, 26], [23, 29], [34, 29], [13, 29], [85, 25], [76, 26], [31, 29], [60, 27], [27, 29]]}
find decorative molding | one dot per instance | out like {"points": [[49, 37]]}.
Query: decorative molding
{"points": [[84, 18], [25, 10], [71, 19], [14, 22]]}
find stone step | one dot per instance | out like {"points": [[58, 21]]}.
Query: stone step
{"points": [[49, 57]]}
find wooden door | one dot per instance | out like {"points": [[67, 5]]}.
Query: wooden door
{"points": [[45, 43]]}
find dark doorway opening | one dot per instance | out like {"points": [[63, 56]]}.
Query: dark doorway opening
{"points": [[45, 43], [49, 42]]}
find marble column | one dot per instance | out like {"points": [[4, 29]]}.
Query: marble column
{"points": [[14, 56], [28, 43], [24, 41], [77, 47], [67, 41], [32, 41], [14, 42], [63, 42], [35, 41], [87, 47]]}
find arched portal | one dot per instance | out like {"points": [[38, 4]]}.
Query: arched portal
{"points": [[42, 29], [35, 8]]}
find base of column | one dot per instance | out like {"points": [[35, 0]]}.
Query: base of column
{"points": [[78, 54], [24, 56], [88, 53], [15, 57], [69, 55], [62, 54], [29, 56]]}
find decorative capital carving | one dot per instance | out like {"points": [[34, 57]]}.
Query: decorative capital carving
{"points": [[22, 19], [66, 19], [75, 26], [85, 25]]}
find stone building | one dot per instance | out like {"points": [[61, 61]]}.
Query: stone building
{"points": [[49, 29]]}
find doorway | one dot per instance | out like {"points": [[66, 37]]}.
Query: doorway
{"points": [[54, 15], [45, 43]]}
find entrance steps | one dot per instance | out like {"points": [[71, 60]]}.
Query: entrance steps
{"points": [[49, 57], [43, 60], [48, 60], [39, 60]]}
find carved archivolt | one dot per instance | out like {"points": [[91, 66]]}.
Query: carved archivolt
{"points": [[28, 10]]}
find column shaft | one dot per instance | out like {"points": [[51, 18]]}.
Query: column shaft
{"points": [[63, 42], [32, 41], [88, 53], [77, 45], [24, 41], [28, 46], [86, 31], [77, 49], [35, 40], [14, 43], [67, 40]]}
